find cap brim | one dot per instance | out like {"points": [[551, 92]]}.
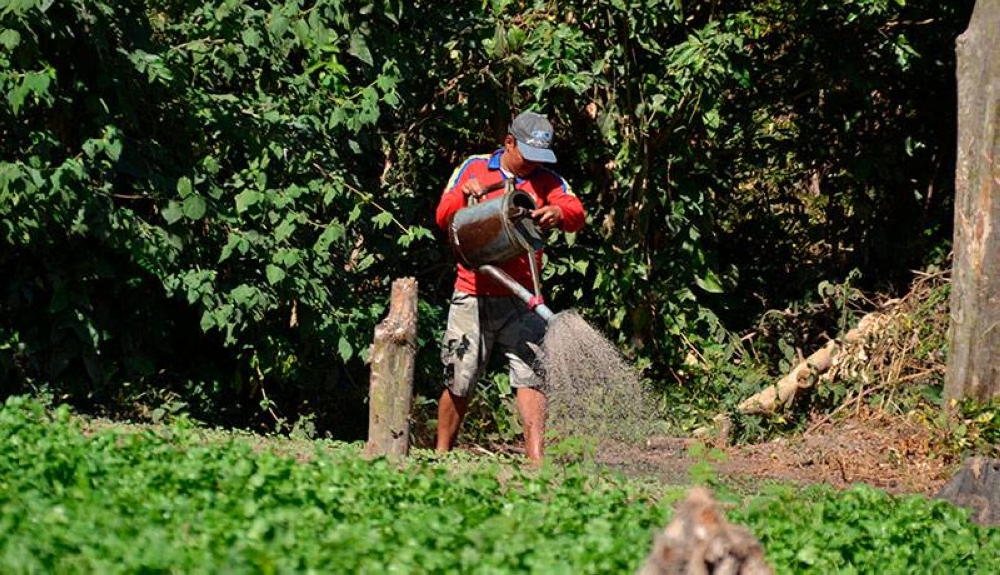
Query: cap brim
{"points": [[540, 155]]}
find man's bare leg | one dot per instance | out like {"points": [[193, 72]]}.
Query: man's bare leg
{"points": [[451, 412], [532, 404]]}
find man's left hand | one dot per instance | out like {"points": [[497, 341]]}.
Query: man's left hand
{"points": [[548, 217]]}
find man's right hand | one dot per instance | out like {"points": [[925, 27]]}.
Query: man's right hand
{"points": [[473, 188]]}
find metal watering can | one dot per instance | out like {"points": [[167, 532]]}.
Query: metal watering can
{"points": [[498, 230]]}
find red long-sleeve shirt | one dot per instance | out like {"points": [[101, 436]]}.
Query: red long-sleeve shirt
{"points": [[544, 186]]}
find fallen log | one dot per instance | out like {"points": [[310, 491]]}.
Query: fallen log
{"points": [[805, 374]]}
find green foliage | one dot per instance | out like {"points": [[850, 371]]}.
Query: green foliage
{"points": [[212, 198], [715, 194], [187, 500], [866, 530], [976, 428], [579, 449], [703, 470], [126, 501], [493, 415], [210, 159]]}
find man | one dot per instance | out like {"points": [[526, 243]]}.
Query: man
{"points": [[484, 313]]}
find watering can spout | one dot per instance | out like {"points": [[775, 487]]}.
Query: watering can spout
{"points": [[534, 301]]}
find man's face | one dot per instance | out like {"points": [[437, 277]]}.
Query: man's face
{"points": [[516, 163]]}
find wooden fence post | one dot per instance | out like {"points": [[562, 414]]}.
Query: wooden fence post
{"points": [[392, 364]]}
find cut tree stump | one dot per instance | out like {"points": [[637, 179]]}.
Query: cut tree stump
{"points": [[699, 541], [392, 364], [976, 486]]}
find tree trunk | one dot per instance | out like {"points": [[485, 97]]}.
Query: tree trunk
{"points": [[974, 341], [392, 364]]}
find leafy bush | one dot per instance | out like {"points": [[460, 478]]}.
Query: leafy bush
{"points": [[209, 199], [188, 203]]}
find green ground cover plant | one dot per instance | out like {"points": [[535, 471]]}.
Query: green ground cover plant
{"points": [[863, 530], [127, 502], [184, 499]]}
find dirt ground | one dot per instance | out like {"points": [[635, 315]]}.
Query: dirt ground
{"points": [[891, 454]]}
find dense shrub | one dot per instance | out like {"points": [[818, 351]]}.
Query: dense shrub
{"points": [[206, 201]]}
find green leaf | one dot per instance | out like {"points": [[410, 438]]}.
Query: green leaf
{"points": [[710, 282], [365, 263], [354, 214], [332, 233], [250, 37], [278, 25], [359, 48], [194, 207], [244, 294], [386, 82], [37, 83], [114, 149], [207, 321], [287, 258], [9, 39], [285, 229], [247, 198], [807, 555], [344, 349], [210, 164], [227, 250], [515, 38], [412, 234], [382, 219], [274, 274], [172, 212], [184, 187], [16, 98]]}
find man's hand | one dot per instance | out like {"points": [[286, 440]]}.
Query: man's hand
{"points": [[548, 217], [473, 188]]}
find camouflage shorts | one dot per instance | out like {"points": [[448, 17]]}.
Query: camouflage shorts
{"points": [[475, 325]]}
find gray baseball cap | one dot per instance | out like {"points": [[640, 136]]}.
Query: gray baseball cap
{"points": [[533, 133]]}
